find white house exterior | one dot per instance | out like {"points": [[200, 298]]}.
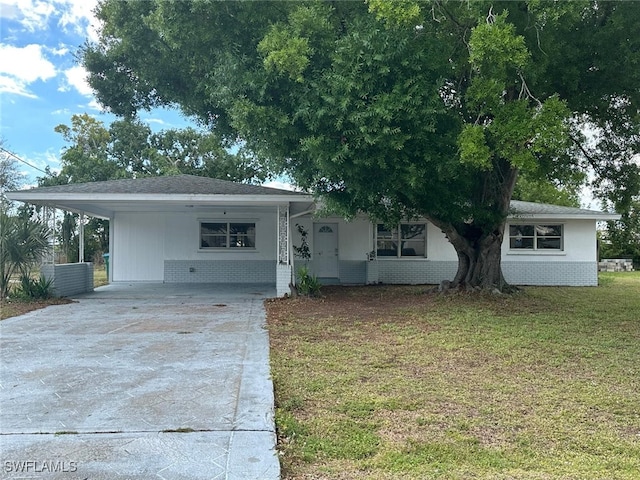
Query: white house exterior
{"points": [[183, 229]]}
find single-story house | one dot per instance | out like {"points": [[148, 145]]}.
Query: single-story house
{"points": [[186, 228]]}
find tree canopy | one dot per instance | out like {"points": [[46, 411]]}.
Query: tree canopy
{"points": [[430, 108], [129, 148]]}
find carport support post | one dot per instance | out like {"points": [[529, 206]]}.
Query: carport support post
{"points": [[283, 266]]}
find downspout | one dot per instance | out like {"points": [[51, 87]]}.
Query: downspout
{"points": [[53, 238], [306, 212], [81, 243], [111, 243]]}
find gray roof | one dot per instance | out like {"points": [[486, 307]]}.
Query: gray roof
{"points": [[530, 208], [95, 196], [172, 184]]}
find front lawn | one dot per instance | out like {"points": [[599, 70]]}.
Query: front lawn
{"points": [[389, 382]]}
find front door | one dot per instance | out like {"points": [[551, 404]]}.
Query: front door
{"points": [[325, 247]]}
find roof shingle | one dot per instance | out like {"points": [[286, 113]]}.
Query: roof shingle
{"points": [[173, 184], [530, 208]]}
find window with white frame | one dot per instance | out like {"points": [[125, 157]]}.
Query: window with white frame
{"points": [[405, 240], [217, 235], [536, 236]]}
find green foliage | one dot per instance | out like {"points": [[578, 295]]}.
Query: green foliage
{"points": [[10, 176], [495, 47], [23, 243], [307, 284], [474, 150], [401, 12], [285, 53], [35, 289], [303, 251], [394, 108], [622, 237], [129, 148], [544, 191]]}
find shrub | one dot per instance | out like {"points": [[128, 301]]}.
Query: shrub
{"points": [[35, 289], [308, 284]]}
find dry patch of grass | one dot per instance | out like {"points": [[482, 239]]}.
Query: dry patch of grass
{"points": [[13, 308], [99, 276], [392, 382]]}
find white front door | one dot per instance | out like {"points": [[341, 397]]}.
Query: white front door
{"points": [[325, 248]]}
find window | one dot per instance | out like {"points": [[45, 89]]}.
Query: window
{"points": [[405, 240], [227, 235], [535, 237]]}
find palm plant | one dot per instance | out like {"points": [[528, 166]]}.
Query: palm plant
{"points": [[23, 243]]}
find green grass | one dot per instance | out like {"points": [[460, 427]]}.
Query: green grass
{"points": [[99, 276], [544, 384]]}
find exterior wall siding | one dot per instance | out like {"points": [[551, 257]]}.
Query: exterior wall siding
{"points": [[219, 271], [352, 272], [415, 272], [165, 247], [283, 280], [516, 273], [551, 273], [138, 247], [69, 278]]}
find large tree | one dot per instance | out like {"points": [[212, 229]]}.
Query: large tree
{"points": [[128, 148], [10, 176], [397, 109]]}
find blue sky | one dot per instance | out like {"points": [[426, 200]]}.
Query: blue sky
{"points": [[42, 85]]}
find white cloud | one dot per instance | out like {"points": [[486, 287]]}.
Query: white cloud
{"points": [[78, 15], [61, 51], [62, 112], [94, 105], [157, 121], [21, 66], [76, 77], [13, 86], [34, 15]]}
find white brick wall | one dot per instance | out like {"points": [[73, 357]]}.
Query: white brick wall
{"points": [[283, 280], [69, 278], [574, 274], [372, 272], [517, 273], [219, 271], [415, 272], [352, 272]]}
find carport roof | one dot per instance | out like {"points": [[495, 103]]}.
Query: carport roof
{"points": [[172, 184], [167, 193]]}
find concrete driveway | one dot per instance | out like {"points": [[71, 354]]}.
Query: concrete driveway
{"points": [[140, 381]]}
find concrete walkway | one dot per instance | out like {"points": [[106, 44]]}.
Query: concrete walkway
{"points": [[140, 382]]}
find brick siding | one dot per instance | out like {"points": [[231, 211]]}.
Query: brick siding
{"points": [[69, 278], [219, 271], [573, 274]]}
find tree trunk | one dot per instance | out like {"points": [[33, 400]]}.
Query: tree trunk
{"points": [[479, 246], [479, 261]]}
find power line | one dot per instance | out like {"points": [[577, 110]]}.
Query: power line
{"points": [[23, 161]]}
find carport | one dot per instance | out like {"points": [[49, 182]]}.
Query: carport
{"points": [[140, 381], [185, 228]]}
